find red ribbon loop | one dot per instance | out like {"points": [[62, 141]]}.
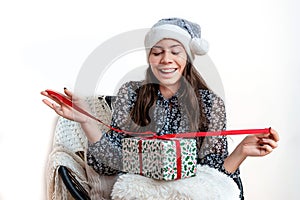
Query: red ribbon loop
{"points": [[151, 135]]}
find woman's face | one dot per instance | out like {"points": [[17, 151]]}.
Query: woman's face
{"points": [[168, 59]]}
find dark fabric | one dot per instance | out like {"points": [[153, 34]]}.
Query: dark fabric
{"points": [[104, 156]]}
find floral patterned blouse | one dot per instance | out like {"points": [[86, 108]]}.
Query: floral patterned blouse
{"points": [[105, 156]]}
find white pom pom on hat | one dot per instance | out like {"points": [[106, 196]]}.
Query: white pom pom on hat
{"points": [[184, 31], [199, 46]]}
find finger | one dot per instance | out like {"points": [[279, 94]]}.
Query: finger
{"points": [[274, 135], [44, 93], [272, 143], [52, 98], [58, 109], [71, 95], [68, 93], [59, 98], [263, 135], [74, 98], [265, 149], [48, 103]]}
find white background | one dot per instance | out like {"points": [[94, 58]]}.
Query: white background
{"points": [[254, 45]]}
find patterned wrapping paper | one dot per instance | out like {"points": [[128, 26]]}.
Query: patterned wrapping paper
{"points": [[158, 159]]}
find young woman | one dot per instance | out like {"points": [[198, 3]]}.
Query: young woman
{"points": [[173, 98]]}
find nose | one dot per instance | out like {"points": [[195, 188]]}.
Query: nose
{"points": [[166, 58]]}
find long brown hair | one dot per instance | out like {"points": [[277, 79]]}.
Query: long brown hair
{"points": [[147, 94]]}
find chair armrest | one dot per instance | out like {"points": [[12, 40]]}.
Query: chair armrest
{"points": [[73, 186]]}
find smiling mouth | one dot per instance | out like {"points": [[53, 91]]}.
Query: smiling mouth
{"points": [[169, 70]]}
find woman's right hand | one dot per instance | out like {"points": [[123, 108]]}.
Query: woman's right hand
{"points": [[65, 110]]}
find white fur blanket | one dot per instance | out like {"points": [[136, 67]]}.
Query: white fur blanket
{"points": [[209, 184]]}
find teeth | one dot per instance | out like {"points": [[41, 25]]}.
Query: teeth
{"points": [[168, 70]]}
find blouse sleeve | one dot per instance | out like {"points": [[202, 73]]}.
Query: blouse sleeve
{"points": [[214, 149], [105, 155]]}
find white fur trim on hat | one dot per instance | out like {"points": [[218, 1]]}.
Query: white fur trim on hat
{"points": [[167, 31], [192, 46]]}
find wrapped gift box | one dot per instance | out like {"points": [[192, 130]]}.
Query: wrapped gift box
{"points": [[160, 159]]}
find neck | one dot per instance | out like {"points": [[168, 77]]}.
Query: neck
{"points": [[168, 91]]}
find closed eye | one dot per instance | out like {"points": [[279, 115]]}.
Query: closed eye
{"points": [[156, 54], [175, 52]]}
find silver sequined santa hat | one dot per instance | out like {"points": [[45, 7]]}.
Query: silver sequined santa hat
{"points": [[184, 31]]}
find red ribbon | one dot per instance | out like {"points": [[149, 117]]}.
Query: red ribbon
{"points": [[178, 159], [141, 156], [151, 135], [148, 134]]}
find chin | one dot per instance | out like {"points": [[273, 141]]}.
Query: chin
{"points": [[169, 83]]}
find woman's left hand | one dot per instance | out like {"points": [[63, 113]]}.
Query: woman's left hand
{"points": [[251, 145], [260, 144]]}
